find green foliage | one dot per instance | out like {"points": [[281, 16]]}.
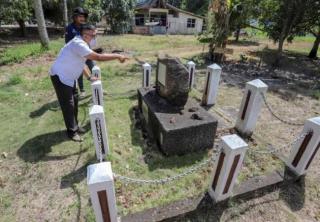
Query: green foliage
{"points": [[175, 3], [14, 10], [311, 24], [18, 53], [243, 58], [199, 7], [52, 10], [119, 14], [316, 94], [281, 19], [242, 12], [14, 80], [312, 16], [95, 10]]}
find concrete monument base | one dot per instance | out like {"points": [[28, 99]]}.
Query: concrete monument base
{"points": [[177, 131]]}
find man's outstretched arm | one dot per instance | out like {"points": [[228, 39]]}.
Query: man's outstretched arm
{"points": [[106, 57]]}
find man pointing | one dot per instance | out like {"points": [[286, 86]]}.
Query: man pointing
{"points": [[67, 68]]}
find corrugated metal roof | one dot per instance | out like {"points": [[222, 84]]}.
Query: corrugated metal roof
{"points": [[147, 4]]}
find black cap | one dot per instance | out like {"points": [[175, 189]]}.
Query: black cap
{"points": [[80, 11]]}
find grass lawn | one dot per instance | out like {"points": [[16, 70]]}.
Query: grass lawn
{"points": [[43, 174]]}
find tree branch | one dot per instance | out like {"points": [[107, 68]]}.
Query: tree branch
{"points": [[254, 27], [313, 33]]}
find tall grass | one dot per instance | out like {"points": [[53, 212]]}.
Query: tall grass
{"points": [[19, 52]]}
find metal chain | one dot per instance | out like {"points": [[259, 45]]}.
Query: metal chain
{"points": [[99, 139], [172, 178], [283, 147], [275, 115]]}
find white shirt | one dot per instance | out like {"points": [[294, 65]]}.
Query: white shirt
{"points": [[71, 60]]}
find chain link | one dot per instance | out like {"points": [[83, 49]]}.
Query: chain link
{"points": [[283, 147], [172, 178], [98, 125], [275, 115]]}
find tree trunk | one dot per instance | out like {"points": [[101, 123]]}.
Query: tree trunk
{"points": [[22, 25], [314, 50], [222, 17], [279, 52], [238, 34], [44, 39], [65, 13]]}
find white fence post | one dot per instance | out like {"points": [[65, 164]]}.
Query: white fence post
{"points": [[102, 193], [212, 85], [304, 151], [146, 79], [97, 93], [192, 70], [99, 130], [96, 72], [227, 167], [250, 107]]}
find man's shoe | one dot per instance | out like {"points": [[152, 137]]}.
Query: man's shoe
{"points": [[76, 138], [81, 130]]}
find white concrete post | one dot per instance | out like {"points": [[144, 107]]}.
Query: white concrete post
{"points": [[102, 193], [99, 130], [192, 70], [250, 107], [212, 85], [97, 93], [304, 151], [227, 167], [96, 72], [146, 79]]}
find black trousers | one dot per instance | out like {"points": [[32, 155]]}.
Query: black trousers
{"points": [[68, 100], [90, 65]]}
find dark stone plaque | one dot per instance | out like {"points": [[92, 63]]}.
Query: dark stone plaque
{"points": [[172, 81]]}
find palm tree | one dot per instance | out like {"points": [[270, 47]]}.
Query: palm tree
{"points": [[44, 39], [65, 13]]}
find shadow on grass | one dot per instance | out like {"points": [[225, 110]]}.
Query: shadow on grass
{"points": [[293, 194], [131, 95], [12, 35], [296, 75], [290, 61], [152, 155], [243, 43], [37, 148], [54, 106], [75, 177]]}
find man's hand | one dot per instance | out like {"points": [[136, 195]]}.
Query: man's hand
{"points": [[123, 58], [93, 78]]}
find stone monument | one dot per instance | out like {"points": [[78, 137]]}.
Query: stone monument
{"points": [[176, 122], [172, 81]]}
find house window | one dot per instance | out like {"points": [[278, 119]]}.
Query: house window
{"points": [[139, 19], [162, 19], [191, 23]]}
